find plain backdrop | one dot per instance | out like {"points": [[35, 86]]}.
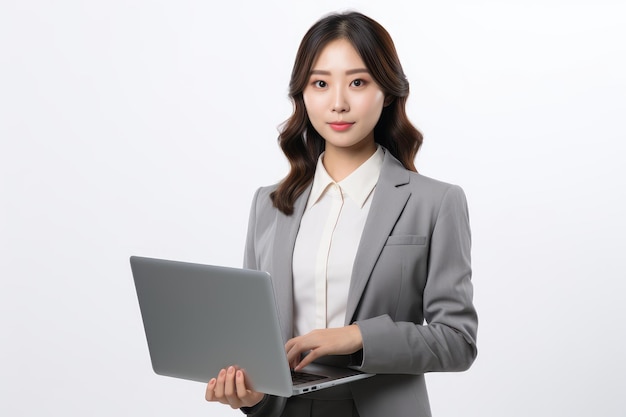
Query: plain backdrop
{"points": [[144, 127]]}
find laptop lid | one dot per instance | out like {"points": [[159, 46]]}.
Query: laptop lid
{"points": [[199, 319]]}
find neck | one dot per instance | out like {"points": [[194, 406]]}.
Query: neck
{"points": [[341, 162]]}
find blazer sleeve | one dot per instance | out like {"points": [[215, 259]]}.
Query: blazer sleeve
{"points": [[448, 341], [249, 255]]}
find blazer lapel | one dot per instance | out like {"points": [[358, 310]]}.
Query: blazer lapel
{"points": [[282, 271], [387, 205]]}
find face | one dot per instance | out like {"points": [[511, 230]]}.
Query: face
{"points": [[342, 99]]}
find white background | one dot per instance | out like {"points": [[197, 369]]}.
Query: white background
{"points": [[144, 127]]}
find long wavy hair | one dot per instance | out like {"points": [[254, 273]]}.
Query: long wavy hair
{"points": [[301, 143]]}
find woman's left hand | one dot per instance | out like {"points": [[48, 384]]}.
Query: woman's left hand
{"points": [[230, 388], [321, 342]]}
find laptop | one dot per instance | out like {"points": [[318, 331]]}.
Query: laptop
{"points": [[199, 319]]}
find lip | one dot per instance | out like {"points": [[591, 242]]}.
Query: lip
{"points": [[340, 126]]}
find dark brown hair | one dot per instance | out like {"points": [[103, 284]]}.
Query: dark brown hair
{"points": [[301, 143]]}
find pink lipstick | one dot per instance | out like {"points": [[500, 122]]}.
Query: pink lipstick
{"points": [[340, 126]]}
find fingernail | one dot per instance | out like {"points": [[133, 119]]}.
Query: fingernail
{"points": [[239, 374], [231, 370], [212, 381], [223, 372]]}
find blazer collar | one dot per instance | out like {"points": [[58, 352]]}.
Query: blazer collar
{"points": [[388, 203]]}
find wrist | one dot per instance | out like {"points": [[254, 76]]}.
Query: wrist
{"points": [[357, 337]]}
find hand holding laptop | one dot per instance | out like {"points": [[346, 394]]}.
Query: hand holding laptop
{"points": [[230, 388]]}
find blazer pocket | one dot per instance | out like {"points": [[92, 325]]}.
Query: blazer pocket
{"points": [[406, 240]]}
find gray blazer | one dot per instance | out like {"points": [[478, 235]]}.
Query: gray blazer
{"points": [[412, 266]]}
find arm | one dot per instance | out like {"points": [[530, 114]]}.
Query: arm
{"points": [[448, 341]]}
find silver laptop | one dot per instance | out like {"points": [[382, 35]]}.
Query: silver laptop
{"points": [[199, 319]]}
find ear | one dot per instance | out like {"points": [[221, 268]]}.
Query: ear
{"points": [[388, 100]]}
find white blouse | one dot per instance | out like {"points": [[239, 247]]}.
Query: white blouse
{"points": [[327, 242]]}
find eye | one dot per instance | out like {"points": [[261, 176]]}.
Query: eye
{"points": [[358, 83], [319, 84]]}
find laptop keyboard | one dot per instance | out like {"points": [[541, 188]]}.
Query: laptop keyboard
{"points": [[302, 377]]}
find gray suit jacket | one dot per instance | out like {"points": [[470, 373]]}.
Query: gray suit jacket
{"points": [[412, 266]]}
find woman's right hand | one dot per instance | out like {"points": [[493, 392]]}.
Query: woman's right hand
{"points": [[230, 388]]}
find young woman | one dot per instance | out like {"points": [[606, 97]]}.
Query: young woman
{"points": [[370, 260]]}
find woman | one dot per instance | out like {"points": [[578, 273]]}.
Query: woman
{"points": [[362, 249]]}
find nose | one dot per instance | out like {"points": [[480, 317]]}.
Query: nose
{"points": [[340, 102]]}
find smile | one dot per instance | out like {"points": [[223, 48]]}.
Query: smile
{"points": [[340, 126]]}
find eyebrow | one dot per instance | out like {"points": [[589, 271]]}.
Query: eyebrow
{"points": [[349, 72]]}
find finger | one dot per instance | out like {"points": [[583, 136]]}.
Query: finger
{"points": [[306, 360], [293, 364], [298, 342], [242, 390], [296, 349], [210, 393], [246, 393], [219, 386], [290, 344], [289, 347], [230, 391], [293, 356]]}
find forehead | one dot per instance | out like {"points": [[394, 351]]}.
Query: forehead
{"points": [[338, 54]]}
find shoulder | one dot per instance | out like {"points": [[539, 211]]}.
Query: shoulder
{"points": [[424, 181], [427, 185], [436, 199], [439, 195], [428, 189], [263, 194], [262, 209]]}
